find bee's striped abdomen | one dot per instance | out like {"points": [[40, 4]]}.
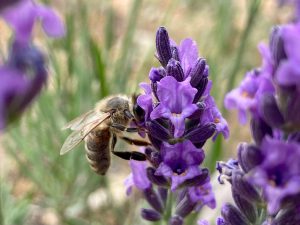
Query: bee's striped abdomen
{"points": [[98, 147]]}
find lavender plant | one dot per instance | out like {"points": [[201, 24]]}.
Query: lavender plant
{"points": [[24, 72], [179, 115], [265, 177]]}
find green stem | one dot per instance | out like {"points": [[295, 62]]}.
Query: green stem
{"points": [[168, 212]]}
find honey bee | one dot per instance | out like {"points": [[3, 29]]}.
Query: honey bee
{"points": [[100, 127]]}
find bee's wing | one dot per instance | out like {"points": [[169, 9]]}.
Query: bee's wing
{"points": [[80, 121], [77, 136]]}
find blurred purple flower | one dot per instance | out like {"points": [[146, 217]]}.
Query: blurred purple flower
{"points": [[180, 162], [22, 16], [175, 102], [279, 173], [24, 72], [288, 72], [247, 96]]}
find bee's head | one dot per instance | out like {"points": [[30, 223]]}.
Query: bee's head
{"points": [[120, 108]]}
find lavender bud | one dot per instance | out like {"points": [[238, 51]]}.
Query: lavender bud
{"points": [[176, 220], [196, 73], [288, 216], [232, 215], [153, 199], [197, 180], [156, 74], [158, 180], [197, 114], [150, 215], [246, 207], [175, 54], [174, 69], [243, 187], [201, 133], [249, 156], [185, 207], [163, 193], [181, 194], [206, 71], [157, 130], [163, 46], [276, 45], [201, 88], [269, 110], [154, 141], [259, 129]]}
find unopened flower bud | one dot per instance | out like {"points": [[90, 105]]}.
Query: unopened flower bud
{"points": [[288, 216], [155, 179], [156, 74], [243, 187], [196, 73], [276, 45], [270, 112], [232, 215], [157, 130], [174, 69], [259, 129], [197, 180], [150, 215], [175, 54], [185, 207], [153, 199], [249, 156], [245, 206], [201, 133], [163, 47], [200, 88]]}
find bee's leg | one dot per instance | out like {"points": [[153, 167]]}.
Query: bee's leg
{"points": [[130, 155], [124, 128], [135, 141], [113, 142]]}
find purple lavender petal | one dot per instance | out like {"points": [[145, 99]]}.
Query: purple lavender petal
{"points": [[188, 54], [180, 162], [175, 102], [279, 174], [139, 174], [22, 16], [51, 23]]}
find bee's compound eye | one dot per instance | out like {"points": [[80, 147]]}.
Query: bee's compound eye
{"points": [[128, 114]]}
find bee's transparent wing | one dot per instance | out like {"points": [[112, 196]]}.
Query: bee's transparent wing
{"points": [[77, 136], [80, 121]]}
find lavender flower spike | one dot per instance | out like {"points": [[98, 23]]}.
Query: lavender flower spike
{"points": [[179, 116], [24, 72]]}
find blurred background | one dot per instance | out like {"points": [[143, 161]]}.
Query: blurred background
{"points": [[109, 48]]}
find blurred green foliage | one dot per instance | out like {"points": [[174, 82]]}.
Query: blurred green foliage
{"points": [[86, 66]]}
